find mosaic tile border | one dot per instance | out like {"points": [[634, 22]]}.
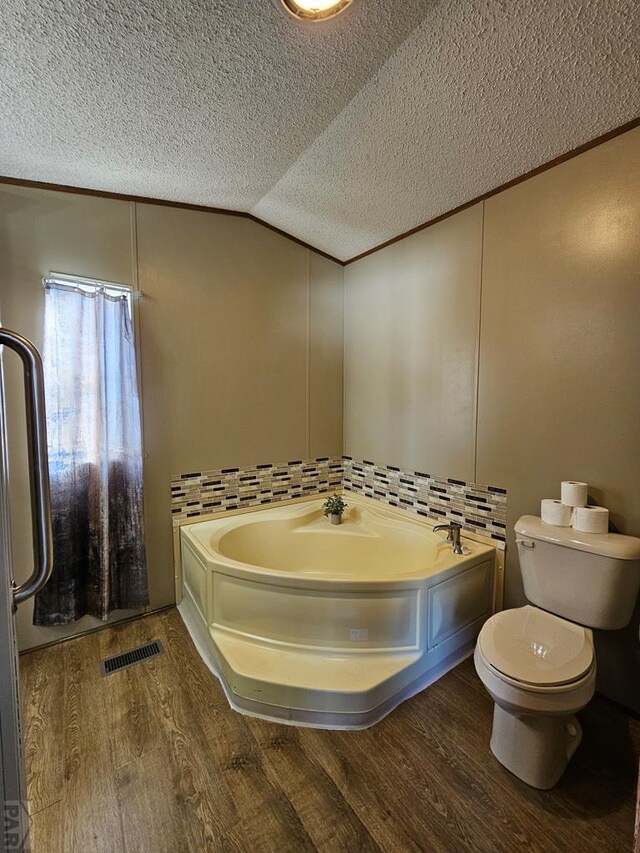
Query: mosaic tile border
{"points": [[202, 492], [479, 509]]}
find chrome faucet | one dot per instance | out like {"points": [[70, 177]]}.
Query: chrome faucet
{"points": [[453, 535]]}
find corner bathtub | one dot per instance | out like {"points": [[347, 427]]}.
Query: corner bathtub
{"points": [[332, 626]]}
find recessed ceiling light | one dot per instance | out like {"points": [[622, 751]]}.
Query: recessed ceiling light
{"points": [[315, 10]]}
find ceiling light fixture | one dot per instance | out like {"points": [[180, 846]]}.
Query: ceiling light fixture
{"points": [[315, 10]]}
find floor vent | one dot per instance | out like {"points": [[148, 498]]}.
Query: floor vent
{"points": [[122, 661]]}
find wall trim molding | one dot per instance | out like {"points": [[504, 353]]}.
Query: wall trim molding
{"points": [[162, 202], [562, 158]]}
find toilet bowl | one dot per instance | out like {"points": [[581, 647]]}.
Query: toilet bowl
{"points": [[540, 670], [537, 661]]}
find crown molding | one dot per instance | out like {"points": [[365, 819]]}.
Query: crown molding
{"points": [[605, 137]]}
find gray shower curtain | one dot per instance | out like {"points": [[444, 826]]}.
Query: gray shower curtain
{"points": [[95, 457]]}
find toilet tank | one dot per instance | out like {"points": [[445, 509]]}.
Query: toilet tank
{"points": [[589, 578]]}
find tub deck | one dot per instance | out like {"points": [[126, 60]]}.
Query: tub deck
{"points": [[330, 626]]}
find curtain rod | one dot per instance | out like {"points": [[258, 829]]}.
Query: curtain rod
{"points": [[77, 283]]}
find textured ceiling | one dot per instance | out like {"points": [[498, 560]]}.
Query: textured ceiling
{"points": [[343, 134]]}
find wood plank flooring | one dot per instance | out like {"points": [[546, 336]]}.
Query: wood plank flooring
{"points": [[153, 760]]}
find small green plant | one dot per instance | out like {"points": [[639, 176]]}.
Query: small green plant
{"points": [[334, 505]]}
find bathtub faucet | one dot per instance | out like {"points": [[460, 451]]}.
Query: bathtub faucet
{"points": [[453, 534]]}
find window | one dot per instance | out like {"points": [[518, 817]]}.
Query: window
{"points": [[95, 452], [93, 285]]}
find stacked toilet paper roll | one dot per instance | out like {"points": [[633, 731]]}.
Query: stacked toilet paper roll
{"points": [[573, 493], [572, 510], [591, 519], [553, 511]]}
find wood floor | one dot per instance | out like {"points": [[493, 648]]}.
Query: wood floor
{"points": [[152, 760]]}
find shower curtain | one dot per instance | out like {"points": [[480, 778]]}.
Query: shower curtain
{"points": [[95, 457]]}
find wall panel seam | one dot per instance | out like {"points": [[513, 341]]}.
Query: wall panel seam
{"points": [[133, 221], [478, 344], [344, 360], [308, 359]]}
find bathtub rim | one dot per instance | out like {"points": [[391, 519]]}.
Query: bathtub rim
{"points": [[444, 562], [401, 513]]}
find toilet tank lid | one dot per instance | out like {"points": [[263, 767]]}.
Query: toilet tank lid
{"points": [[613, 545]]}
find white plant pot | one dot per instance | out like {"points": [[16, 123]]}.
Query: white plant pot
{"points": [[336, 518]]}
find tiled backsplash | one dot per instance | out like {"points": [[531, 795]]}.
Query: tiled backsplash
{"points": [[480, 509], [203, 492]]}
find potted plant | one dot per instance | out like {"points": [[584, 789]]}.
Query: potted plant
{"points": [[334, 507]]}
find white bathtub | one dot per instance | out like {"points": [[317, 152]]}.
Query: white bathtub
{"points": [[332, 626]]}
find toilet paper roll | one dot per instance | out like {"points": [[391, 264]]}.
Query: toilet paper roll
{"points": [[555, 512], [591, 519], [573, 493]]}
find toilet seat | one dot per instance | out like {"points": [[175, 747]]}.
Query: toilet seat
{"points": [[530, 647], [542, 692]]}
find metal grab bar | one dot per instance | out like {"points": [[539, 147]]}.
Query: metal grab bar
{"points": [[38, 464]]}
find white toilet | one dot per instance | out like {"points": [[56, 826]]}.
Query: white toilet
{"points": [[538, 663]]}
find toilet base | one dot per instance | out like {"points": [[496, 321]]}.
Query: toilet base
{"points": [[535, 748]]}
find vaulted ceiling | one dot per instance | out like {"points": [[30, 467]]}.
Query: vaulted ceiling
{"points": [[343, 134]]}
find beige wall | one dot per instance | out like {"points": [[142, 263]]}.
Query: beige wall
{"points": [[559, 389], [326, 340], [411, 340], [238, 329], [240, 336], [42, 232], [559, 353]]}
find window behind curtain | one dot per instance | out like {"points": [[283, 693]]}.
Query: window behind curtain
{"points": [[95, 453]]}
